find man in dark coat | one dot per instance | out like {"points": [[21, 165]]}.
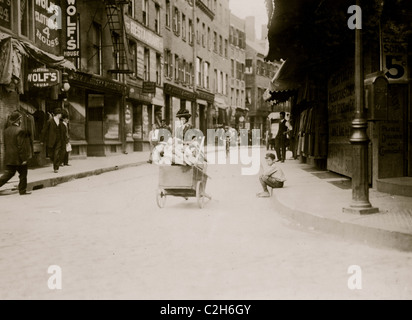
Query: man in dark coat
{"points": [[52, 138], [280, 140], [64, 154], [18, 150]]}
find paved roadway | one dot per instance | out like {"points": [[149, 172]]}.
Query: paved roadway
{"points": [[111, 241]]}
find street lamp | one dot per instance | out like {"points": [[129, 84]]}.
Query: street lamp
{"points": [[65, 81]]}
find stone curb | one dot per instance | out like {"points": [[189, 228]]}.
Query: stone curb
{"points": [[371, 236], [52, 182]]}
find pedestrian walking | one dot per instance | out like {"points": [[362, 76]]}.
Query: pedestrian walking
{"points": [[52, 138], [66, 147], [272, 176], [18, 151], [280, 140]]}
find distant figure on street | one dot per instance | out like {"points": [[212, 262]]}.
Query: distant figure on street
{"points": [[280, 140], [66, 146], [272, 176], [153, 140], [52, 138], [18, 150]]}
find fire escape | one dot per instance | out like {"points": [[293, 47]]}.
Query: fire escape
{"points": [[115, 21]]}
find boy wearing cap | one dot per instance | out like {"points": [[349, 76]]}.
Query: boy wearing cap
{"points": [[18, 150], [272, 176]]}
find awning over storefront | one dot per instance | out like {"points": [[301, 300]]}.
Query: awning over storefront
{"points": [[220, 103], [46, 58], [12, 52], [285, 83]]}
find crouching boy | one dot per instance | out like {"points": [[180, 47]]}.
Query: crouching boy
{"points": [[272, 176]]}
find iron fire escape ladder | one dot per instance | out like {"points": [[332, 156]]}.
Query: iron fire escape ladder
{"points": [[115, 21]]}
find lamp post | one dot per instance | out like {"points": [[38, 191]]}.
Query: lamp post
{"points": [[359, 139]]}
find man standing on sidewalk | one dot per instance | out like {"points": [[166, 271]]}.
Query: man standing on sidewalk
{"points": [[272, 176], [280, 140], [18, 150], [52, 137]]}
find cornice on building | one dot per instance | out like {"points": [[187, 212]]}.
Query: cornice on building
{"points": [[205, 9]]}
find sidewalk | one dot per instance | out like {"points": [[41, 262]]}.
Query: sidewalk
{"points": [[45, 177], [313, 198]]}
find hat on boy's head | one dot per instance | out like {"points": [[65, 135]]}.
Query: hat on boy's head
{"points": [[57, 111], [15, 116], [270, 156]]}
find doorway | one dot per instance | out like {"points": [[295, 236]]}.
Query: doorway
{"points": [[95, 118]]}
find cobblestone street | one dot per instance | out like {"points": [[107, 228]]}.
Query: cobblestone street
{"points": [[111, 241]]}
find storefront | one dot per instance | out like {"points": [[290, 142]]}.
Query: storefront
{"points": [[30, 83], [96, 103], [209, 113], [141, 111], [178, 99]]}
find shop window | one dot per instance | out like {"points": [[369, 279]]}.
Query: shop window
{"points": [[137, 123], [111, 118]]}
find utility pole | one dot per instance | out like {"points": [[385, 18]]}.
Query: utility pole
{"points": [[359, 139]]}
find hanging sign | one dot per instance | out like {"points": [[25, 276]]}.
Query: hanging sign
{"points": [[43, 78], [48, 23], [72, 31]]}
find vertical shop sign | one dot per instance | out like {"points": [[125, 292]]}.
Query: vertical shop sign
{"points": [[5, 14], [72, 30], [48, 23]]}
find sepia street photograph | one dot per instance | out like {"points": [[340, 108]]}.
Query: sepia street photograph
{"points": [[206, 155]]}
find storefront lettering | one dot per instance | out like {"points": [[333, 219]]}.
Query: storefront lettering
{"points": [[42, 78], [177, 92], [94, 82], [142, 34], [72, 44], [391, 139], [48, 22]]}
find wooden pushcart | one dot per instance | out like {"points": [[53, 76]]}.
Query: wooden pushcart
{"points": [[182, 181]]}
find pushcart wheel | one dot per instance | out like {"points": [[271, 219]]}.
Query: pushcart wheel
{"points": [[161, 198], [199, 195]]}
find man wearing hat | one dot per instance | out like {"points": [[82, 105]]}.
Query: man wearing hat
{"points": [[18, 150], [52, 138], [272, 176]]}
